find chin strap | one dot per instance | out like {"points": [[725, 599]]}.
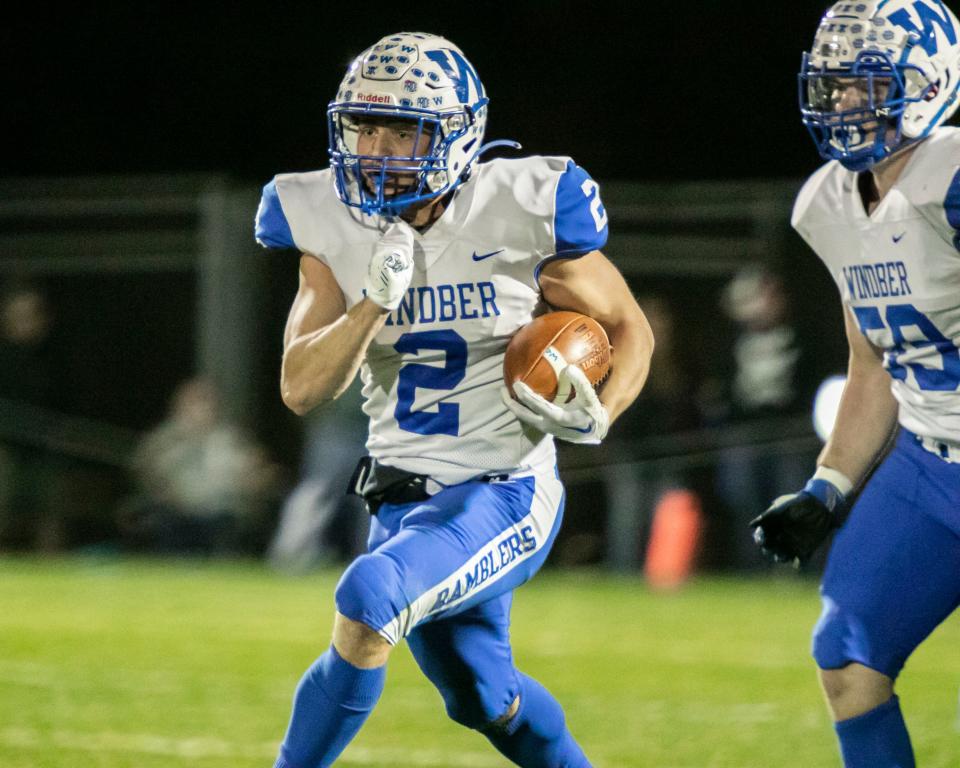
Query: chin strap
{"points": [[498, 143]]}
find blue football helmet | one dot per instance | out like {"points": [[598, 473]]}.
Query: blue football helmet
{"points": [[880, 77], [415, 77]]}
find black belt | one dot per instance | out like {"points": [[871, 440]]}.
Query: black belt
{"points": [[379, 484]]}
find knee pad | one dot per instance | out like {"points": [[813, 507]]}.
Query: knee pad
{"points": [[475, 708], [841, 638], [370, 591], [829, 637]]}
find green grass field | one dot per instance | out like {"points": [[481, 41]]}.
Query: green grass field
{"points": [[128, 664]]}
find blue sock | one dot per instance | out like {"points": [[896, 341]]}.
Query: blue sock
{"points": [[537, 736], [876, 739], [332, 701]]}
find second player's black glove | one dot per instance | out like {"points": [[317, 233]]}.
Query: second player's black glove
{"points": [[795, 525]]}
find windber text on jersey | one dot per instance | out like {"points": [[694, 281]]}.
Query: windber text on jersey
{"points": [[871, 281], [443, 303]]}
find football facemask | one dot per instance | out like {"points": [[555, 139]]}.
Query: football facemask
{"points": [[426, 83]]}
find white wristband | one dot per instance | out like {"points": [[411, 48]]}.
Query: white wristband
{"points": [[839, 480]]}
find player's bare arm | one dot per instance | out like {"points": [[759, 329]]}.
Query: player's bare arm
{"points": [[323, 343], [593, 286], [868, 411]]}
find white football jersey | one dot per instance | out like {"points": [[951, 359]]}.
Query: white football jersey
{"points": [[899, 271], [432, 375]]}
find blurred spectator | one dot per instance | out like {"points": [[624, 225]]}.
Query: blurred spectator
{"points": [[203, 486], [28, 356], [29, 376], [319, 523], [770, 372], [771, 369]]}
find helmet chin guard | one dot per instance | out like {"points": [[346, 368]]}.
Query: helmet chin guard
{"points": [[880, 77], [415, 77]]}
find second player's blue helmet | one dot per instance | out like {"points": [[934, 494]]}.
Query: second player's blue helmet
{"points": [[412, 76], [881, 76]]}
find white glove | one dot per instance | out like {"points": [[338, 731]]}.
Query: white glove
{"points": [[391, 267], [583, 420]]}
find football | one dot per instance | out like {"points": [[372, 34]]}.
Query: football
{"points": [[540, 350]]}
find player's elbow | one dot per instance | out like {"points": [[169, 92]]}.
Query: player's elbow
{"points": [[636, 335], [301, 398], [294, 400], [298, 405], [302, 405], [646, 341]]}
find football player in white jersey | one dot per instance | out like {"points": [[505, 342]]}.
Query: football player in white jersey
{"points": [[883, 215], [418, 264]]}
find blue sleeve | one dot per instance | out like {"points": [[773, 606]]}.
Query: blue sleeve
{"points": [[951, 205], [272, 229], [579, 219]]}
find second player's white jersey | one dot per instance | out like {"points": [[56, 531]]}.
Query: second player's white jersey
{"points": [[899, 272], [432, 375]]}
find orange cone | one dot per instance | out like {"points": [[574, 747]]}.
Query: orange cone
{"points": [[674, 539]]}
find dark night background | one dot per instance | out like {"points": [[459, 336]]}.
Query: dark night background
{"points": [[645, 92], [631, 90], [640, 92]]}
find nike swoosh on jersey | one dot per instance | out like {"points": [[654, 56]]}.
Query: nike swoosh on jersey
{"points": [[898, 238], [483, 256]]}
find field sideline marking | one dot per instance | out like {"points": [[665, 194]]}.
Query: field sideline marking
{"points": [[199, 747]]}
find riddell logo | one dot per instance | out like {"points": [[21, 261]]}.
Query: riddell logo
{"points": [[374, 98]]}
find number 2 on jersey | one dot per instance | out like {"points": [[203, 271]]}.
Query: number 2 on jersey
{"points": [[900, 316], [591, 189], [446, 419]]}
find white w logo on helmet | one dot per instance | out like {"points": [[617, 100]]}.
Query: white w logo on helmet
{"points": [[930, 19]]}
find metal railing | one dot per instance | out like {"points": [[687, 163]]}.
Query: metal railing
{"points": [[66, 436]]}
